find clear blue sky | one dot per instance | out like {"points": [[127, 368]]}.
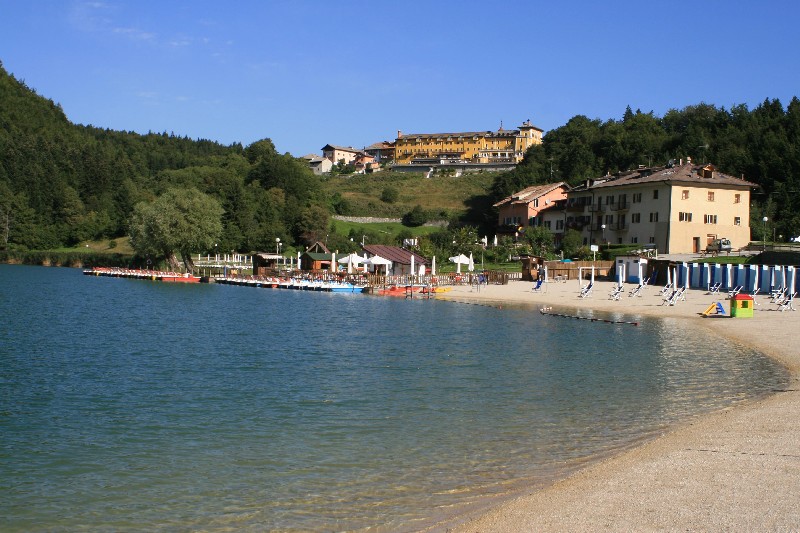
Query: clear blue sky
{"points": [[351, 73]]}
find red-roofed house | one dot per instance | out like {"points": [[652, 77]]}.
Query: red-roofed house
{"points": [[522, 208]]}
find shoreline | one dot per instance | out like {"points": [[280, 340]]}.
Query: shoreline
{"points": [[733, 469]]}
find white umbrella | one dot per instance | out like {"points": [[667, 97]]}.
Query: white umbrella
{"points": [[411, 269], [353, 259], [433, 266], [471, 264], [459, 260], [422, 270], [669, 277], [495, 240], [333, 262], [377, 260], [298, 260]]}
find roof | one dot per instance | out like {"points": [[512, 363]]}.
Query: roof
{"points": [[383, 145], [705, 175], [531, 193], [341, 148], [395, 254]]}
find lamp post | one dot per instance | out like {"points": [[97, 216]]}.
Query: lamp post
{"points": [[764, 241], [603, 227], [277, 245]]}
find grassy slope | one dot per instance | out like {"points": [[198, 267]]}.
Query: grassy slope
{"points": [[442, 196]]}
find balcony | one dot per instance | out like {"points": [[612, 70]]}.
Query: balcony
{"points": [[621, 206]]}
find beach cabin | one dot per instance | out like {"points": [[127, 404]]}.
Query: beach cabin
{"points": [[633, 267]]}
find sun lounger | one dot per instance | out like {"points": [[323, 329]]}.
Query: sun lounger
{"points": [[786, 304], [538, 286], [667, 289], [674, 297], [777, 294], [586, 291], [637, 291], [736, 290], [616, 293], [714, 289]]}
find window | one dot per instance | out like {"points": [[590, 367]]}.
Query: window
{"points": [[634, 240], [710, 219], [609, 220], [685, 194], [684, 217], [559, 224], [737, 198], [536, 202], [710, 196], [737, 221], [654, 217], [636, 218], [547, 224], [652, 240], [637, 197], [655, 194]]}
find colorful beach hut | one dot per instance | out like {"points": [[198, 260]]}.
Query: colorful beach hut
{"points": [[742, 306]]}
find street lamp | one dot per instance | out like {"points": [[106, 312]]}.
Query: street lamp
{"points": [[277, 245], [764, 242], [603, 227]]}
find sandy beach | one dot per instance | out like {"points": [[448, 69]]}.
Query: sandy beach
{"points": [[734, 470]]}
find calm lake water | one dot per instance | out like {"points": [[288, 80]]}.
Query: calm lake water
{"points": [[141, 405]]}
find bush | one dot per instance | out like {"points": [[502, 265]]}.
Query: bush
{"points": [[390, 195], [415, 217]]}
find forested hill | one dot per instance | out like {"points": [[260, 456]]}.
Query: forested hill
{"points": [[62, 183], [762, 144]]}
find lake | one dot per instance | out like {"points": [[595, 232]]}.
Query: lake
{"points": [[139, 405]]}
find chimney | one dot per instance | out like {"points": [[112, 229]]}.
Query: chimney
{"points": [[399, 134]]}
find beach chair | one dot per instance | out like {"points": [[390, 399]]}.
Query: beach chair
{"points": [[637, 291], [667, 289], [778, 294], [586, 291], [714, 289], [736, 290], [538, 286], [616, 293], [787, 303], [674, 297]]}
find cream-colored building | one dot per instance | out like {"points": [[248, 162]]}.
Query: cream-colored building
{"points": [[471, 147], [348, 154], [679, 209]]}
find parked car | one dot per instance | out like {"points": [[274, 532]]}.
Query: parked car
{"points": [[718, 245]]}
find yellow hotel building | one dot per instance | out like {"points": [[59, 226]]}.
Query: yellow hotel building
{"points": [[501, 147]]}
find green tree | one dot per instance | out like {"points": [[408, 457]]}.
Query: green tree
{"points": [[178, 221], [540, 240], [571, 243]]}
